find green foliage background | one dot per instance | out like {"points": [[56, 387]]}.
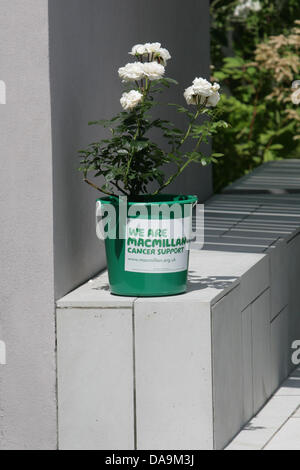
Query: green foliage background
{"points": [[259, 129]]}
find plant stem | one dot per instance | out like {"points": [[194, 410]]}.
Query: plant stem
{"points": [[180, 170], [173, 177], [183, 167], [127, 171], [190, 127], [200, 108], [97, 187], [120, 189], [198, 143], [146, 91]]}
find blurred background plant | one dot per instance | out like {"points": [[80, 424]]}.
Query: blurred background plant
{"points": [[255, 54]]}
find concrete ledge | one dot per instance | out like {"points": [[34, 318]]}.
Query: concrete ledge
{"points": [[186, 372], [278, 177]]}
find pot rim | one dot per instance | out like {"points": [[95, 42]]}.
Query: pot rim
{"points": [[153, 200]]}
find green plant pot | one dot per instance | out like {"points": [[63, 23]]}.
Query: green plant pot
{"points": [[146, 248]]}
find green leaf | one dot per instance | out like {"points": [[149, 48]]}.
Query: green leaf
{"points": [[171, 80], [276, 147], [218, 155]]}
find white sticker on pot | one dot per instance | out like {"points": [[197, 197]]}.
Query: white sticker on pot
{"points": [[157, 246]]}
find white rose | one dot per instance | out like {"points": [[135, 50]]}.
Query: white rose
{"points": [[238, 11], [164, 54], [216, 87], [131, 99], [153, 70], [213, 100], [132, 72], [256, 6], [245, 7], [296, 96], [153, 47], [202, 87], [190, 96], [138, 49], [203, 92]]}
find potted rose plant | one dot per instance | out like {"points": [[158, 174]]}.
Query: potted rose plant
{"points": [[148, 247]]}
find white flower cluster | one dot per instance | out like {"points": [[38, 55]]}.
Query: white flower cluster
{"points": [[151, 66], [245, 7], [153, 51], [203, 92], [138, 71], [131, 99]]}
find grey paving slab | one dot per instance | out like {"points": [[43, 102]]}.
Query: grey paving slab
{"points": [[263, 427], [297, 413], [95, 293], [291, 387], [212, 275], [287, 438]]}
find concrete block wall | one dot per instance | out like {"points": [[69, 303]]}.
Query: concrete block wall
{"points": [[178, 348], [265, 223], [95, 378], [277, 177]]}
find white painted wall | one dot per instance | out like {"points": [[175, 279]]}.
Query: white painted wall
{"points": [[27, 382]]}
